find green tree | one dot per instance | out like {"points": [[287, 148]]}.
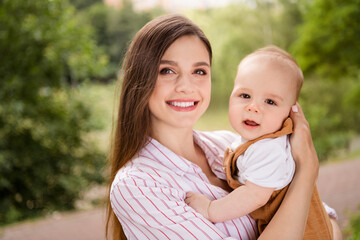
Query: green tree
{"points": [[84, 4], [44, 160], [329, 39], [327, 50], [114, 29]]}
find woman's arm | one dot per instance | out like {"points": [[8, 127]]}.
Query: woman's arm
{"points": [[290, 220]]}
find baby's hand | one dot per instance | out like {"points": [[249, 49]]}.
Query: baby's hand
{"points": [[199, 203]]}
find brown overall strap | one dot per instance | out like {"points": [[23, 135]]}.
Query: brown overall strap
{"points": [[230, 156]]}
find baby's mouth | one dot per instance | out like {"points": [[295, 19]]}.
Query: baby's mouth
{"points": [[251, 123]]}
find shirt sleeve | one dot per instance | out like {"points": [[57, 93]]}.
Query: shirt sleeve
{"points": [[148, 210], [265, 164], [330, 211]]}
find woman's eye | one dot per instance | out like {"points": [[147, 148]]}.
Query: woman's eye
{"points": [[269, 101], [166, 71], [244, 95], [200, 72]]}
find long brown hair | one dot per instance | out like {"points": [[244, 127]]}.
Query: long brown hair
{"points": [[138, 74]]}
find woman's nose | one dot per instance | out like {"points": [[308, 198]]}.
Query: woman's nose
{"points": [[252, 107], [184, 83]]}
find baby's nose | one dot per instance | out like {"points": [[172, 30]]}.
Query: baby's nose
{"points": [[252, 107]]}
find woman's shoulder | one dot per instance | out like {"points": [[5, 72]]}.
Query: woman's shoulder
{"points": [[136, 174]]}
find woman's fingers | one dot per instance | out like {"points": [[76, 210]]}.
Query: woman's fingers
{"points": [[297, 114], [302, 147]]}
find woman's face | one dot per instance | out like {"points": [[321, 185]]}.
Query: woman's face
{"points": [[182, 90]]}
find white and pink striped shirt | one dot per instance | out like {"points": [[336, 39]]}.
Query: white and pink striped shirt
{"points": [[147, 194]]}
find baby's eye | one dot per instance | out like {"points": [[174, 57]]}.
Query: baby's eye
{"points": [[166, 71], [244, 95], [269, 101]]}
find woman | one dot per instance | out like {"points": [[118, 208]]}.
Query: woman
{"points": [[157, 157]]}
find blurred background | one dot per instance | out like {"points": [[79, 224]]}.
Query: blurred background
{"points": [[59, 61]]}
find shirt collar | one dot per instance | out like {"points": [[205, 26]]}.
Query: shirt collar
{"points": [[237, 143], [166, 157], [176, 163]]}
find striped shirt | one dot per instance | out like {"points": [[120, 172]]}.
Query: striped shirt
{"points": [[147, 194]]}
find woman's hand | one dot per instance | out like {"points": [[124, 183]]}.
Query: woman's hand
{"points": [[302, 146]]}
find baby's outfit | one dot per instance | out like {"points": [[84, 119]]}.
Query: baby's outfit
{"points": [[267, 162]]}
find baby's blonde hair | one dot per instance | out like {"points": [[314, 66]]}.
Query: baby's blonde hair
{"points": [[278, 54]]}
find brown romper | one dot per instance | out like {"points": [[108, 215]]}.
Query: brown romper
{"points": [[318, 226]]}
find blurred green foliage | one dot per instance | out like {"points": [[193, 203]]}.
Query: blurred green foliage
{"points": [[44, 161], [329, 38], [114, 28], [84, 4], [327, 50], [352, 230]]}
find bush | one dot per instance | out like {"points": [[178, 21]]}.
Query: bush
{"points": [[352, 231], [44, 161], [332, 119]]}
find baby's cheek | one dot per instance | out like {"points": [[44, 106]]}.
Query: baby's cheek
{"points": [[276, 124], [234, 116]]}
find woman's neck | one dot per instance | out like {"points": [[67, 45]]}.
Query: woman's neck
{"points": [[178, 140]]}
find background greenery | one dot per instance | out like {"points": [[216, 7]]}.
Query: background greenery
{"points": [[352, 230], [59, 61]]}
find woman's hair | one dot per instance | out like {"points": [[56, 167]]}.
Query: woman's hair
{"points": [[139, 72], [277, 54]]}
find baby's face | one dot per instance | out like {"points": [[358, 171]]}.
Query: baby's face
{"points": [[263, 94]]}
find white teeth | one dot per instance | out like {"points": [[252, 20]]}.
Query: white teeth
{"points": [[182, 104]]}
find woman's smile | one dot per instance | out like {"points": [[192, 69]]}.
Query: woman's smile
{"points": [[182, 105]]}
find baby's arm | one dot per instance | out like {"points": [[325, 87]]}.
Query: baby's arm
{"points": [[241, 201]]}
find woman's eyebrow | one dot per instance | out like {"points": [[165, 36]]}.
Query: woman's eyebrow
{"points": [[168, 62], [197, 64], [201, 64]]}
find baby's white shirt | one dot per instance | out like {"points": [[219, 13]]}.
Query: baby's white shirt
{"points": [[267, 162]]}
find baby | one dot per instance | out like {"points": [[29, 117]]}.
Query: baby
{"points": [[267, 85]]}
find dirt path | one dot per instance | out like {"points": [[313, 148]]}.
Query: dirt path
{"points": [[337, 186]]}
